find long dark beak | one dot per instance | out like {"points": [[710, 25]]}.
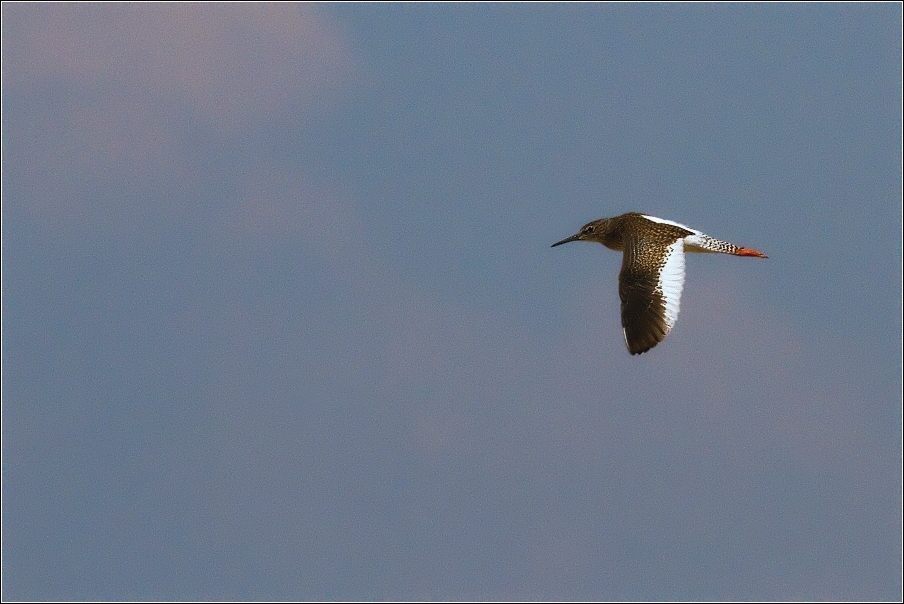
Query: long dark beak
{"points": [[568, 240]]}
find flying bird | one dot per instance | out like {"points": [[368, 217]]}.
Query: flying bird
{"points": [[652, 272]]}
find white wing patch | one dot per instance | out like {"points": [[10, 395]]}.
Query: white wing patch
{"points": [[671, 281]]}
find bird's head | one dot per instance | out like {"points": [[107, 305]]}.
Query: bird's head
{"points": [[592, 231]]}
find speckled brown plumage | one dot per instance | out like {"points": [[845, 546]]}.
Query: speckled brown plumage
{"points": [[652, 273]]}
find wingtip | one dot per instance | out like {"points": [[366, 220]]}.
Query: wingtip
{"points": [[642, 349], [639, 346]]}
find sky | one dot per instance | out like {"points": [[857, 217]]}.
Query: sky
{"points": [[281, 319]]}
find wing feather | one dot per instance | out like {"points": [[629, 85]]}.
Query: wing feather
{"points": [[650, 285]]}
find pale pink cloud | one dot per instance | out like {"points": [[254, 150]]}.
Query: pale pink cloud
{"points": [[108, 90], [234, 63]]}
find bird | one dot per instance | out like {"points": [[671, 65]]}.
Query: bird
{"points": [[652, 272]]}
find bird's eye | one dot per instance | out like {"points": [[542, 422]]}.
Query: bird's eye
{"points": [[587, 230]]}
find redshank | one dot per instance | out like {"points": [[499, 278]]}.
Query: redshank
{"points": [[652, 273]]}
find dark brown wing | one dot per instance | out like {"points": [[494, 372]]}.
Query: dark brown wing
{"points": [[649, 286]]}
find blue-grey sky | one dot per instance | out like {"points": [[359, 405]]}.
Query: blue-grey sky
{"points": [[281, 319]]}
